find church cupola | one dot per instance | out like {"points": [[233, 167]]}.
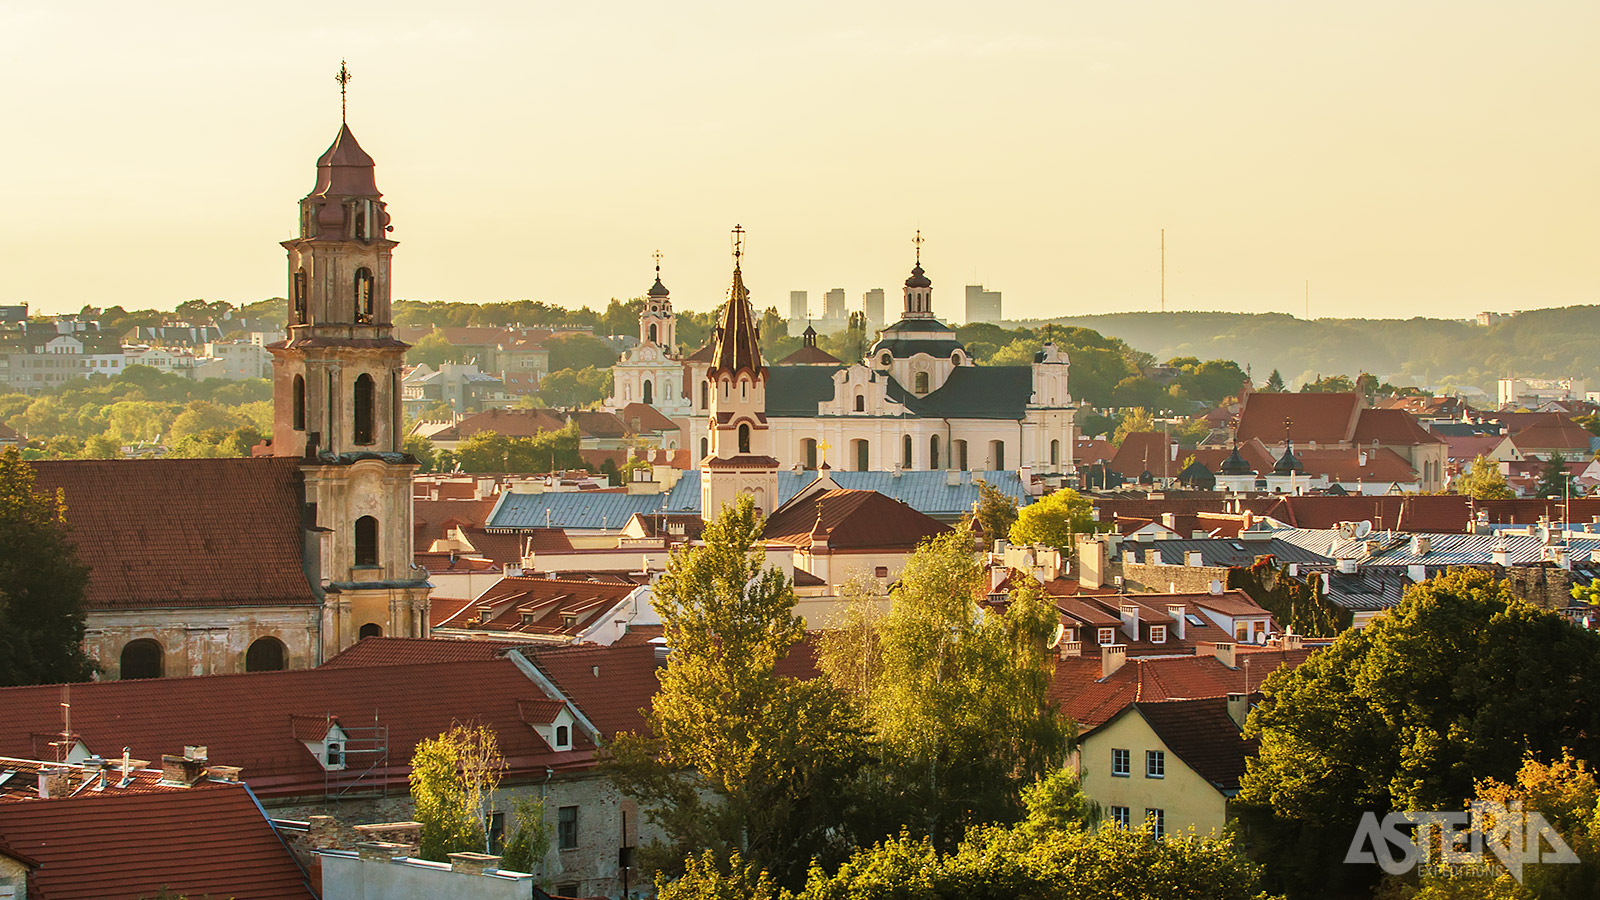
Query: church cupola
{"points": [[919, 288], [657, 325]]}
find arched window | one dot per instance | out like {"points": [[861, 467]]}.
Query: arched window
{"points": [[933, 452], [265, 655], [371, 629], [649, 392], [861, 402], [563, 737], [744, 438], [997, 454], [906, 452], [808, 449], [366, 541], [1055, 453], [299, 404], [363, 296], [299, 291], [652, 332], [744, 389], [363, 409], [705, 448], [140, 659], [922, 382], [959, 451]]}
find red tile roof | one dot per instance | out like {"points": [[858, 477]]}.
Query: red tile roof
{"points": [[640, 417], [210, 840], [392, 651], [1391, 428], [1091, 700], [612, 685], [1465, 448], [1382, 466], [1324, 418], [508, 422], [1553, 437], [160, 533], [1147, 451], [247, 720], [600, 424], [811, 355], [852, 520], [1088, 452]]}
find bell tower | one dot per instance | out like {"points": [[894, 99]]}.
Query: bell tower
{"points": [[740, 459], [336, 405]]}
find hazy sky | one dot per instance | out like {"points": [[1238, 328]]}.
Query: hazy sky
{"points": [[1408, 158]]}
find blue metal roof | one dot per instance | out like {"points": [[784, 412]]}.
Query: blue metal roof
{"points": [[571, 509], [926, 492]]}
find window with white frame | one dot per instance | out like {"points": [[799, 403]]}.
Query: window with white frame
{"points": [[1108, 636], [1155, 764], [1158, 822], [1158, 634], [1120, 763], [1120, 817]]}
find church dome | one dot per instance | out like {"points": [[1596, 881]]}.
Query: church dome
{"points": [[918, 278], [658, 289], [1235, 464]]}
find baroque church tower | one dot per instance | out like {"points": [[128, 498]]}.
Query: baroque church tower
{"points": [[336, 399], [741, 459]]}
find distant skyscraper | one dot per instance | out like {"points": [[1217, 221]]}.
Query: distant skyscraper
{"points": [[833, 304], [982, 305], [798, 311], [872, 305]]}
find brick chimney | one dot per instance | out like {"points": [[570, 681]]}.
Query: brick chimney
{"points": [[183, 770]]}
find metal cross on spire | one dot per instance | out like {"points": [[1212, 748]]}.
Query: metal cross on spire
{"points": [[738, 244], [657, 256], [918, 241], [343, 78]]}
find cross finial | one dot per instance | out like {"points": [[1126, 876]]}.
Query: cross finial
{"points": [[343, 78], [1287, 422], [738, 244], [657, 256], [918, 241]]}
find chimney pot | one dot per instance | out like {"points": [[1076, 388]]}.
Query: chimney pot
{"points": [[1112, 656], [474, 863]]}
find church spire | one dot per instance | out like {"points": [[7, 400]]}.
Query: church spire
{"points": [[736, 344], [919, 288]]}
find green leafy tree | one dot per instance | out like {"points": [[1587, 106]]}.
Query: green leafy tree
{"points": [[1333, 384], [739, 758], [1274, 383], [959, 703], [582, 351], [1212, 381], [453, 780], [434, 350], [1054, 520], [1096, 425], [1134, 421], [529, 839], [575, 387], [1295, 603], [1453, 686], [1139, 391], [41, 583], [705, 877], [424, 451], [1554, 479], [994, 513], [1483, 481], [102, 446]]}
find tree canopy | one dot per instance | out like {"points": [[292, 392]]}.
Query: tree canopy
{"points": [[41, 583], [1054, 520], [1483, 481]]}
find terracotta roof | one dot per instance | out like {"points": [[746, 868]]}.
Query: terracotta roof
{"points": [[1390, 427], [1091, 700], [745, 461], [160, 533], [247, 720], [9, 434], [390, 651], [649, 418], [703, 355], [1553, 437], [612, 685], [433, 519], [345, 170], [598, 423], [1382, 465], [735, 344], [1324, 418], [1147, 450], [1465, 448], [810, 355], [542, 606], [508, 422], [676, 526], [442, 609], [852, 520], [1086, 452], [1203, 735], [210, 840]]}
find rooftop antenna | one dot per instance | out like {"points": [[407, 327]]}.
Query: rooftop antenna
{"points": [[343, 78]]}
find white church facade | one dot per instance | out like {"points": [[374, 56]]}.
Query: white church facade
{"points": [[917, 402]]}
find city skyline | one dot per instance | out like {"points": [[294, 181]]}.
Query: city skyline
{"points": [[1403, 161]]}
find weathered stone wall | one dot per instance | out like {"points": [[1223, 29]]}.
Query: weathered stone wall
{"points": [[1547, 587], [1142, 577], [207, 641]]}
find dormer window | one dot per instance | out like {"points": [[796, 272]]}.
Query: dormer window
{"points": [[1108, 636], [1158, 634], [333, 755], [569, 621], [527, 618], [563, 737]]}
